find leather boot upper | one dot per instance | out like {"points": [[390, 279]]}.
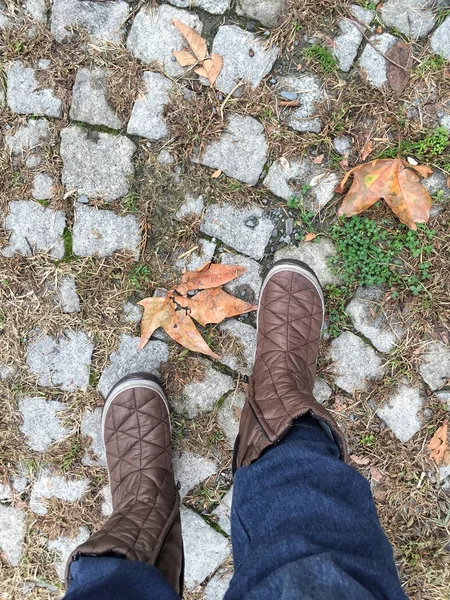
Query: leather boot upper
{"points": [[290, 319], [145, 523]]}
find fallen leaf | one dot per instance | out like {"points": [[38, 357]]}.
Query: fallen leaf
{"points": [[213, 306], [309, 236], [216, 174], [161, 312], [285, 163], [211, 275], [376, 474], [174, 312], [423, 170], [299, 67], [319, 159], [184, 58], [367, 149], [344, 163], [362, 461], [195, 41], [398, 74], [438, 444], [392, 180], [380, 495], [210, 68], [412, 161], [292, 103], [315, 180]]}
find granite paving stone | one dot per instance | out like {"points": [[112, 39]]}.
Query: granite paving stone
{"points": [[90, 99], [42, 187], [66, 295], [246, 57], [102, 232], [107, 504], [25, 95], [153, 36], [267, 12], [241, 151], [191, 469], [12, 533], [248, 285], [198, 258], [435, 365], [34, 228], [63, 546], [229, 415], [321, 391], [27, 137], [247, 230], [346, 44], [204, 548], [199, 397], [215, 7], [37, 10], [286, 178], [41, 422], [192, 207], [309, 92], [342, 144], [239, 358], [316, 255], [51, 485], [218, 585], [413, 18], [355, 363], [147, 118], [132, 313], [128, 359], [6, 494], [103, 20], [223, 512], [91, 427], [402, 412], [372, 63], [7, 372], [96, 163], [63, 362], [369, 319], [440, 40]]}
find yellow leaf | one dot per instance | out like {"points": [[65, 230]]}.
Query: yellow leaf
{"points": [[309, 237], [438, 444]]}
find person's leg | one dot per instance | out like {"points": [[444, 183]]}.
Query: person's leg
{"points": [[140, 546], [111, 578], [304, 524]]}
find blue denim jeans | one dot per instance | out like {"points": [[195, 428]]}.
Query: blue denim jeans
{"points": [[303, 526]]}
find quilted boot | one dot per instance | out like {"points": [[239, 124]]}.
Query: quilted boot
{"points": [[290, 319], [145, 523]]}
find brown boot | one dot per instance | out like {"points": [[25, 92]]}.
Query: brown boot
{"points": [[145, 523], [290, 319]]}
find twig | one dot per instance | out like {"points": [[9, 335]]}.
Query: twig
{"points": [[222, 106], [289, 103]]}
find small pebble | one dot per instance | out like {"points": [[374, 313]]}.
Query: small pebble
{"points": [[291, 96], [273, 80], [83, 199], [427, 413], [289, 226], [251, 53], [252, 222], [173, 59], [250, 25]]}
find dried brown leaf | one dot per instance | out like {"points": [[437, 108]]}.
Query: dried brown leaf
{"points": [[195, 41], [398, 74], [214, 305], [184, 58], [216, 174], [438, 444], [210, 68], [309, 237], [367, 149], [392, 180], [210, 275], [362, 461]]}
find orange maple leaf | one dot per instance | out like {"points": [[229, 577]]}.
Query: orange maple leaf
{"points": [[175, 311], [393, 180]]}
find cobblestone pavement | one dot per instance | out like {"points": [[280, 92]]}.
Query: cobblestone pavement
{"points": [[107, 151]]}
